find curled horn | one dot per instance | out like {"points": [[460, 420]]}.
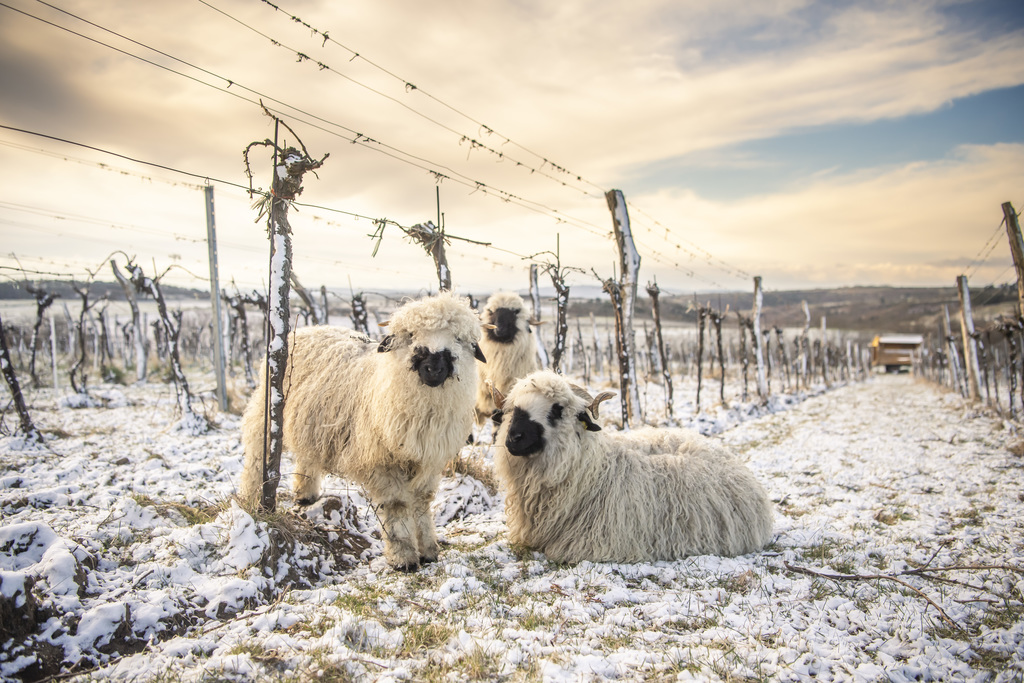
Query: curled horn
{"points": [[595, 404], [496, 396]]}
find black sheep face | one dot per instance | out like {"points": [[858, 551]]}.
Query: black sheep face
{"points": [[525, 436], [506, 325], [433, 367]]}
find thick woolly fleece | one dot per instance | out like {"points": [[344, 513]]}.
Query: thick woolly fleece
{"points": [[652, 494], [506, 362], [363, 413]]}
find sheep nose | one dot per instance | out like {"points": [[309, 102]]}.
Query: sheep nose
{"points": [[505, 320], [434, 369], [525, 437]]}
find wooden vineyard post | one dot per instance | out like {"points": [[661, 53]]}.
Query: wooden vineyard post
{"points": [[666, 375], [745, 323], [716, 322], [805, 347], [535, 320], [762, 379], [954, 355], [824, 351], [702, 314], [1017, 249], [290, 165], [629, 268], [970, 341]]}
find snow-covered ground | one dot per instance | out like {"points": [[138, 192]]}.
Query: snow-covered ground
{"points": [[897, 556]]}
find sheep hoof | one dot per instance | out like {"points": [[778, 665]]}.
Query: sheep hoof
{"points": [[407, 568], [427, 560], [307, 501]]}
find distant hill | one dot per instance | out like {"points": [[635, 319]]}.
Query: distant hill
{"points": [[97, 290], [868, 309]]}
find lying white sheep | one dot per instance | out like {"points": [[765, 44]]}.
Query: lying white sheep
{"points": [[509, 347], [576, 493], [388, 416]]}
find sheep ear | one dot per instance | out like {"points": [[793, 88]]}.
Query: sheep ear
{"points": [[478, 354], [596, 403], [386, 344], [588, 424], [488, 326], [497, 396]]}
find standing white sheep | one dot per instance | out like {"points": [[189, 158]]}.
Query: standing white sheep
{"points": [[388, 416], [576, 493], [509, 347]]}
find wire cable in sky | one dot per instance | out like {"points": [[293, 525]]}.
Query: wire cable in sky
{"points": [[409, 87], [473, 142]]}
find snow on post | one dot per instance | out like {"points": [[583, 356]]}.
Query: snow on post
{"points": [[970, 339], [762, 379], [629, 269], [290, 165], [1016, 250]]}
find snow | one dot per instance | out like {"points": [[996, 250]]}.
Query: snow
{"points": [[142, 567]]}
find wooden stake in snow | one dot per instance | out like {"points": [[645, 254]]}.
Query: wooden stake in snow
{"points": [[24, 419], [192, 421], [290, 164], [762, 379], [954, 367], [970, 339], [535, 320], [1017, 249], [805, 347], [140, 341], [629, 269], [653, 291], [702, 314]]}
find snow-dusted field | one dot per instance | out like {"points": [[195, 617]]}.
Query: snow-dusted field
{"points": [[899, 543]]}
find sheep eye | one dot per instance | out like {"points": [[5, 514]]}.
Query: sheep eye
{"points": [[555, 414]]}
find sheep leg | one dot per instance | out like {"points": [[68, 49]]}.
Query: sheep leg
{"points": [[399, 529], [306, 484], [425, 530]]}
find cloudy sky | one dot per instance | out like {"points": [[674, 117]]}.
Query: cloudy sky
{"points": [[816, 144]]}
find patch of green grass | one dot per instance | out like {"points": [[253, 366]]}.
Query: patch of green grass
{"points": [[480, 665], [193, 515], [423, 637], [364, 602]]}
